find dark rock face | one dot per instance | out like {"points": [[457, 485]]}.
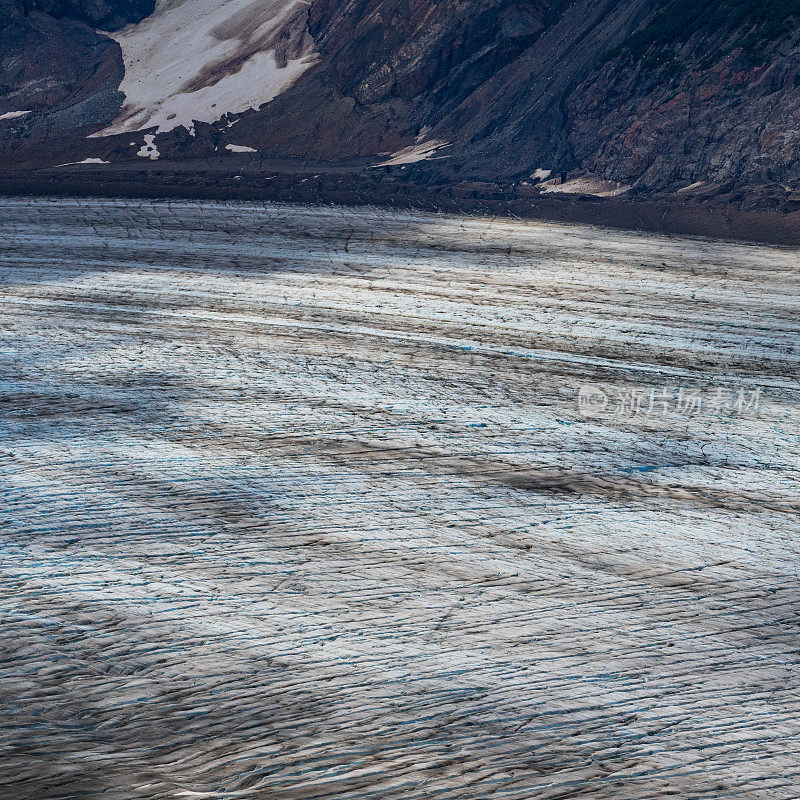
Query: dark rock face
{"points": [[661, 95], [490, 77], [716, 104], [107, 15], [56, 66], [47, 61], [390, 68], [657, 94], [440, 50], [62, 72]]}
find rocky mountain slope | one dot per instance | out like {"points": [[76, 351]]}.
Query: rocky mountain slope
{"points": [[679, 98]]}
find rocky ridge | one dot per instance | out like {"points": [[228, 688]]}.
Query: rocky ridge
{"points": [[649, 98]]}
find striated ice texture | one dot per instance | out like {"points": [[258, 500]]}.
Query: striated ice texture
{"points": [[299, 503]]}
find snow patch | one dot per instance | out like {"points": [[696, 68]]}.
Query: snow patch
{"points": [[414, 153], [85, 161], [14, 114], [240, 148], [690, 187], [423, 133], [542, 174], [149, 149], [201, 59], [585, 185]]}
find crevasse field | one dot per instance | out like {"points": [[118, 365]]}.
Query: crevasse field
{"points": [[302, 503]]}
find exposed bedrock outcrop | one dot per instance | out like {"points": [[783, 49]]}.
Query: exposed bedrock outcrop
{"points": [[58, 80], [107, 15], [656, 97]]}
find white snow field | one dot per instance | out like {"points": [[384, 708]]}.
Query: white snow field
{"points": [[298, 503], [197, 60]]}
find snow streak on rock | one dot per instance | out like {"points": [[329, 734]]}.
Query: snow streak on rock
{"points": [[14, 114], [86, 161], [196, 60], [584, 185], [421, 151], [298, 504]]}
